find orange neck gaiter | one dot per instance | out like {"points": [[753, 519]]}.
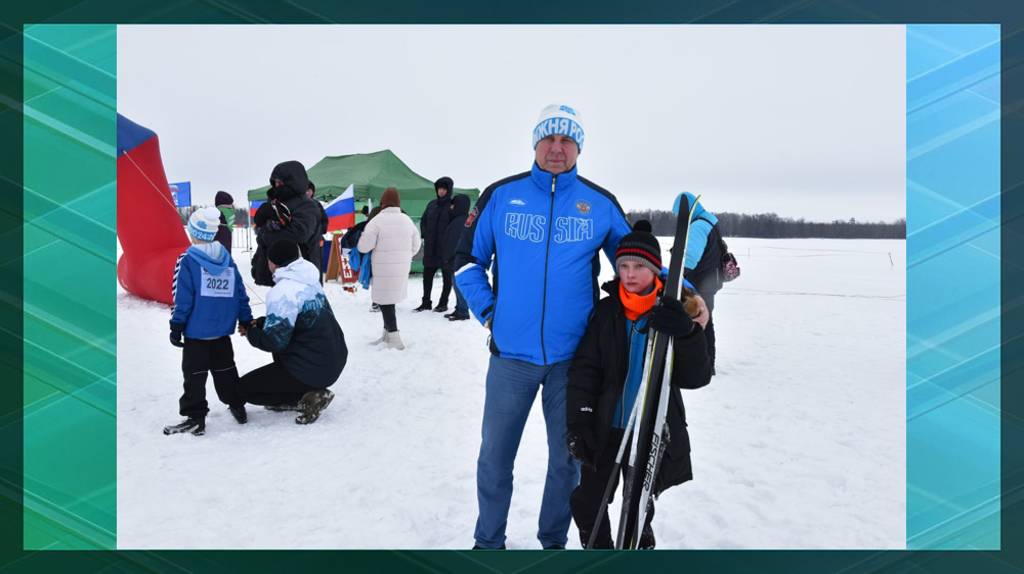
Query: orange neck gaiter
{"points": [[636, 304]]}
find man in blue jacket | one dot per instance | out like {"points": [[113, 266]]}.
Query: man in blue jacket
{"points": [[539, 233]]}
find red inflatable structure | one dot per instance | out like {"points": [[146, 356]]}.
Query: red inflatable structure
{"points": [[148, 225]]}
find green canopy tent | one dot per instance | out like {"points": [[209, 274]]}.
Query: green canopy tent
{"points": [[370, 174]]}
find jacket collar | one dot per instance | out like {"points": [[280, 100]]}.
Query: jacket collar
{"points": [[542, 179]]}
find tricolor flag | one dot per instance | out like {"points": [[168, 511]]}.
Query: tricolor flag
{"points": [[341, 211], [253, 206]]}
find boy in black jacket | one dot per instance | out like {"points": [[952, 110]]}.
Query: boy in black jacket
{"points": [[606, 373]]}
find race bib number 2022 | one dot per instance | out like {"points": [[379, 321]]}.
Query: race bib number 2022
{"points": [[222, 285]]}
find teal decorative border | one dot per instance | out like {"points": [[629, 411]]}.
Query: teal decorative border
{"points": [[953, 287], [70, 360]]}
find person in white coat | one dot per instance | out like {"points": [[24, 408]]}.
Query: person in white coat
{"points": [[393, 239]]}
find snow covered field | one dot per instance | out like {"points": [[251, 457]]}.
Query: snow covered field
{"points": [[798, 442]]}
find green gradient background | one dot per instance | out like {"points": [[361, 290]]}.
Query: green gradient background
{"points": [[69, 262], [77, 509]]}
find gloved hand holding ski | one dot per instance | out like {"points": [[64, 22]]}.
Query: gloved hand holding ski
{"points": [[669, 318]]}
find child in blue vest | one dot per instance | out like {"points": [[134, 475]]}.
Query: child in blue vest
{"points": [[605, 379], [209, 299]]}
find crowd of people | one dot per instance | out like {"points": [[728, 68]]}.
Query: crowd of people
{"points": [[524, 260]]}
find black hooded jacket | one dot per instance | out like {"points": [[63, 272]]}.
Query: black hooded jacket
{"points": [[434, 222], [453, 233], [304, 227], [597, 376]]}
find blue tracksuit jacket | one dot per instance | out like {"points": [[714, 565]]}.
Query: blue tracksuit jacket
{"points": [[540, 235]]}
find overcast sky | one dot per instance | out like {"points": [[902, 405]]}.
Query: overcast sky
{"points": [[803, 121]]}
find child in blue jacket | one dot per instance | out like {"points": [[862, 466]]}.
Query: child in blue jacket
{"points": [[209, 298]]}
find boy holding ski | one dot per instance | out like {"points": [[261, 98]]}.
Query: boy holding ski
{"points": [[606, 373], [209, 299]]}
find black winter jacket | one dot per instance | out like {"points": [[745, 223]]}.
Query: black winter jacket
{"points": [[453, 233], [597, 376], [224, 231], [304, 229], [432, 227]]}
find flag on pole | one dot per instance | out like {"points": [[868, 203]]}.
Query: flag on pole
{"points": [[341, 211], [253, 206]]}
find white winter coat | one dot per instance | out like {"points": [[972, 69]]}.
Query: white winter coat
{"points": [[393, 239]]}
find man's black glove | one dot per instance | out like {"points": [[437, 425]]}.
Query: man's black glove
{"points": [[670, 318], [582, 445], [176, 330]]}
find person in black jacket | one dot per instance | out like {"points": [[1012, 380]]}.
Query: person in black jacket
{"points": [[452, 236], [432, 229], [605, 377], [321, 226], [226, 205], [289, 185], [311, 194]]}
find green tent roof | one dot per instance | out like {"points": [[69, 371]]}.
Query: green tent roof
{"points": [[371, 174]]}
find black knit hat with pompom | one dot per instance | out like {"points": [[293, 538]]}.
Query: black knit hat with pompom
{"points": [[640, 245]]}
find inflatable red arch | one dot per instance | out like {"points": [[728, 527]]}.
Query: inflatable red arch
{"points": [[148, 225]]}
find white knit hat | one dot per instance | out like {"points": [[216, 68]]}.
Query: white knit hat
{"points": [[559, 119], [203, 223]]}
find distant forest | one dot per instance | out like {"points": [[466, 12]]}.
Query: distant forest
{"points": [[772, 226]]}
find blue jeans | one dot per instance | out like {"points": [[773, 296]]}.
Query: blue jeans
{"points": [[461, 306], [511, 388]]}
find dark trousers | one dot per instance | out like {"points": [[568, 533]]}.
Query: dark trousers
{"points": [[271, 385], [199, 357], [428, 284], [390, 321], [707, 289], [586, 499]]}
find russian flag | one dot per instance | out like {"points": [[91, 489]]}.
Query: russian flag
{"points": [[341, 211], [253, 206]]}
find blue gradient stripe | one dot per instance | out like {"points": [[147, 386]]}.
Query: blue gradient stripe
{"points": [[953, 285]]}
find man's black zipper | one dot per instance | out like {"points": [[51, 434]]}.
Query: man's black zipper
{"points": [[547, 253]]}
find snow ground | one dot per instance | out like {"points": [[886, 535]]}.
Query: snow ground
{"points": [[798, 442]]}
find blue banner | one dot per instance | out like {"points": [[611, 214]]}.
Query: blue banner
{"points": [[181, 192]]}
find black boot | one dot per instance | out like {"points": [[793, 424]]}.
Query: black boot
{"points": [[424, 306], [646, 538], [441, 308], [239, 413], [458, 316], [312, 404], [192, 425]]}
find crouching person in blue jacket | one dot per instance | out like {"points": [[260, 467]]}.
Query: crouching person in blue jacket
{"points": [[300, 330], [209, 298]]}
